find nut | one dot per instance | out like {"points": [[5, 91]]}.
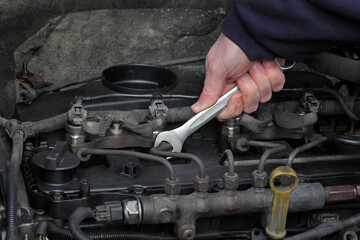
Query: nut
{"points": [[241, 145], [132, 212], [231, 182], [259, 180], [172, 187], [201, 184], [229, 131]]}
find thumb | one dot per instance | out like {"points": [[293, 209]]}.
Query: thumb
{"points": [[213, 88]]}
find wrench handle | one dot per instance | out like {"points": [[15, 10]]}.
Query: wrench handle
{"points": [[205, 116]]}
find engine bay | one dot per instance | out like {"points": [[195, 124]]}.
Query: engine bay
{"points": [[87, 88], [88, 154]]}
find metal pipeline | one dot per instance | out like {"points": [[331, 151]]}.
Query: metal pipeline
{"points": [[316, 141], [83, 153], [183, 210], [230, 156], [273, 148], [300, 160], [182, 155]]}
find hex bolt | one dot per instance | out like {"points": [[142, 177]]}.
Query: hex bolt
{"points": [[259, 180], [165, 215], [132, 211], [231, 182], [202, 184], [172, 187]]}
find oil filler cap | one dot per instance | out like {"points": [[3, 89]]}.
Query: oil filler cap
{"points": [[56, 166]]}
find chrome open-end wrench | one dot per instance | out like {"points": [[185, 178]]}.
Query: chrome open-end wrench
{"points": [[177, 137]]}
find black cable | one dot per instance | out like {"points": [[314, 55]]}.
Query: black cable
{"points": [[64, 233], [342, 103], [327, 228], [55, 87], [86, 151], [148, 96], [13, 174], [180, 61], [74, 223]]}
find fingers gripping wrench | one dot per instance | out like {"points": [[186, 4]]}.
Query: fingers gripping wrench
{"points": [[177, 137]]}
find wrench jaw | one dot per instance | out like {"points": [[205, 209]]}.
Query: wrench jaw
{"points": [[171, 138]]}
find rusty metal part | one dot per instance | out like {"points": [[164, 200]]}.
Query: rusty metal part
{"points": [[28, 79], [37, 81], [341, 193], [230, 181], [172, 187], [24, 74], [123, 140], [201, 184]]}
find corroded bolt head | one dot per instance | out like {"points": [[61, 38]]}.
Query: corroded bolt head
{"points": [[259, 180], [201, 184], [165, 215], [172, 187], [231, 182]]}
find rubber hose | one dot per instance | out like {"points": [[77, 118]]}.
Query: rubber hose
{"points": [[290, 120], [74, 223], [342, 103], [56, 230], [254, 124], [51, 124], [327, 228], [11, 197], [144, 129], [179, 114]]}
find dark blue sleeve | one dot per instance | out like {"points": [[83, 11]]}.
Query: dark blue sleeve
{"points": [[294, 29]]}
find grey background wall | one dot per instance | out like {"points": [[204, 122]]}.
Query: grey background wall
{"points": [[64, 40]]}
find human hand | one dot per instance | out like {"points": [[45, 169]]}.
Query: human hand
{"points": [[228, 66]]}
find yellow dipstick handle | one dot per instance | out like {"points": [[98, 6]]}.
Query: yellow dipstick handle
{"points": [[280, 204]]}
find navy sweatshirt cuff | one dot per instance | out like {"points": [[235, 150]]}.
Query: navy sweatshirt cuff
{"points": [[233, 28]]}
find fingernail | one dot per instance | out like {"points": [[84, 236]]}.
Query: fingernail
{"points": [[238, 100], [256, 66], [196, 107], [268, 64]]}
